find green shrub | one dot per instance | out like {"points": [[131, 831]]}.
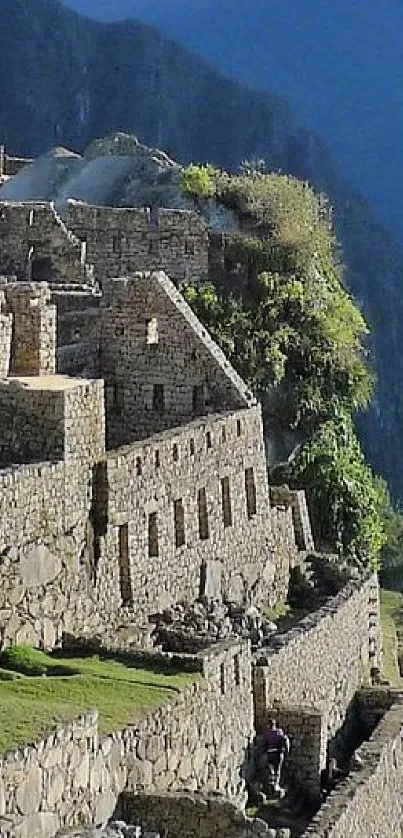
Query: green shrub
{"points": [[198, 182]]}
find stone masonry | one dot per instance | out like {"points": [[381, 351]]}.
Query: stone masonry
{"points": [[123, 532], [133, 476], [198, 741]]}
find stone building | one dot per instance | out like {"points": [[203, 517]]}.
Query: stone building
{"points": [[131, 490]]}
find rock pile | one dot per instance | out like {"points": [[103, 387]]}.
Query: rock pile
{"points": [[114, 829], [191, 628]]}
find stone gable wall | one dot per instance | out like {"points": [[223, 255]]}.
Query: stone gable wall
{"points": [[325, 658], [123, 240], [370, 801], [198, 740], [35, 244], [180, 358]]}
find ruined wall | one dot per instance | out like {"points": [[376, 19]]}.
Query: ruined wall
{"points": [[123, 240], [5, 336], [161, 367], [47, 568], [325, 657], [78, 331], [32, 423], [11, 165], [33, 344], [370, 801], [172, 473], [197, 741], [36, 245]]}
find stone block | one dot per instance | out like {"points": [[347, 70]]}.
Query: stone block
{"points": [[39, 566], [211, 577]]}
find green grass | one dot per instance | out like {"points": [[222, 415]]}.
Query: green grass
{"points": [[31, 704], [391, 622]]}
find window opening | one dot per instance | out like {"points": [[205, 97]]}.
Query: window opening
{"points": [[152, 332], [198, 400], [139, 469], [179, 523], [202, 513], [158, 398], [175, 453], [208, 440], [192, 447], [226, 502], [152, 535], [124, 566], [237, 671], [238, 427], [250, 491], [222, 679]]}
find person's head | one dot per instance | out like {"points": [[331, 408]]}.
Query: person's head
{"points": [[272, 724]]}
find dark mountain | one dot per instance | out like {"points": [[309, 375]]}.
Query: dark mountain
{"points": [[339, 64], [68, 79]]}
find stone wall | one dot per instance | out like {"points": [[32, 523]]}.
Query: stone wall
{"points": [[51, 418], [122, 240], [47, 569], [11, 165], [161, 367], [5, 336], [370, 801], [189, 814], [325, 658], [308, 736], [36, 245], [33, 344], [78, 331], [32, 423], [197, 741], [181, 473]]}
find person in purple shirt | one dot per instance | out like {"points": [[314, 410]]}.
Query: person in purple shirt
{"points": [[277, 746]]}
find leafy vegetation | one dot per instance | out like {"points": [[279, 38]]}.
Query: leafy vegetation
{"points": [[33, 697], [198, 182], [289, 326]]}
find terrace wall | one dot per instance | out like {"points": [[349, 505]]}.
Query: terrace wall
{"points": [[370, 801], [325, 658], [197, 741]]}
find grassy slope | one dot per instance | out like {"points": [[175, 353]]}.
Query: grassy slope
{"points": [[30, 706], [391, 620]]}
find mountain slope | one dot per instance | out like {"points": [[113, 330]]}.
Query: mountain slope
{"points": [[339, 65], [69, 79]]}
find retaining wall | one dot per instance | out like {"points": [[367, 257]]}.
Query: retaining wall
{"points": [[370, 801], [198, 740], [323, 660]]}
